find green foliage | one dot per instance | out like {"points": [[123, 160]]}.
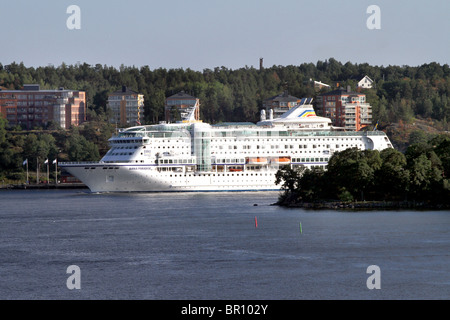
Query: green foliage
{"points": [[421, 174], [392, 178], [288, 178], [345, 195], [81, 149], [400, 93]]}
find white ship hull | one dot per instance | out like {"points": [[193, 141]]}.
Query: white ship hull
{"points": [[124, 178]]}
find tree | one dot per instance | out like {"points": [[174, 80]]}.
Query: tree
{"points": [[421, 171], [351, 169], [441, 146], [392, 178], [417, 136], [80, 149], [289, 179], [154, 108], [312, 185], [6, 153]]}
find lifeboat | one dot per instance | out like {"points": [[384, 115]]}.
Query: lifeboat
{"points": [[281, 160], [234, 170], [257, 160]]}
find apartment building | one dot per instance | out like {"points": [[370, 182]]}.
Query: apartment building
{"points": [[32, 107], [126, 106], [345, 108]]}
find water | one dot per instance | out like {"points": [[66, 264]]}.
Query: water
{"points": [[200, 246]]}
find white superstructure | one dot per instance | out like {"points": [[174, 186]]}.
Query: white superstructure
{"points": [[196, 156]]}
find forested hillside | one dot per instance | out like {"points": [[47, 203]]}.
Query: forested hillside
{"points": [[410, 103], [402, 93]]}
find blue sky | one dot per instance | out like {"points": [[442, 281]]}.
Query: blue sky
{"points": [[199, 34]]}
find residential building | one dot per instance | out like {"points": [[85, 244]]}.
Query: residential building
{"points": [[345, 108], [365, 83], [280, 103], [31, 106], [180, 105], [126, 106]]}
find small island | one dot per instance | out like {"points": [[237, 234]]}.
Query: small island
{"points": [[372, 179]]}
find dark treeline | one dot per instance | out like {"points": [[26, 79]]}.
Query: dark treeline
{"points": [[422, 173], [401, 93]]}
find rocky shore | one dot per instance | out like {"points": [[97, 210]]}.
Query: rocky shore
{"points": [[367, 205]]}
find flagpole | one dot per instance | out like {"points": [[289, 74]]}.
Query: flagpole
{"points": [[28, 181], [37, 171], [56, 171], [48, 174]]}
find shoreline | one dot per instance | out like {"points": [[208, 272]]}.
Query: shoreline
{"points": [[366, 205], [43, 186]]}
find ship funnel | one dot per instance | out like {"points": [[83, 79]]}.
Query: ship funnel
{"points": [[263, 115]]}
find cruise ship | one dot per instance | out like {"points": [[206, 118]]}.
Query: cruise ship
{"points": [[190, 155]]}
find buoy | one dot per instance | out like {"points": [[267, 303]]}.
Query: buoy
{"points": [[256, 222], [301, 228]]}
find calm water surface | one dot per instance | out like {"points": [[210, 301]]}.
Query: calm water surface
{"points": [[207, 246]]}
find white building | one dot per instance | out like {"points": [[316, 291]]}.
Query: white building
{"points": [[365, 83]]}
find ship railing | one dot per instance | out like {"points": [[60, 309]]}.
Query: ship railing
{"points": [[155, 134], [339, 133], [78, 162]]}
